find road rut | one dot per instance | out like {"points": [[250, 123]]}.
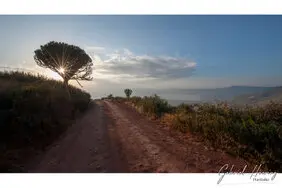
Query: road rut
{"points": [[113, 137]]}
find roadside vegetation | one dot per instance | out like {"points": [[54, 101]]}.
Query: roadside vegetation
{"points": [[253, 133], [34, 111]]}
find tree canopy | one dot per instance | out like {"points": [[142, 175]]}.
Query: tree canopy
{"points": [[128, 92], [69, 61]]}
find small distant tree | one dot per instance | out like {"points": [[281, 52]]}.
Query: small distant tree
{"points": [[110, 96], [128, 92], [69, 61]]}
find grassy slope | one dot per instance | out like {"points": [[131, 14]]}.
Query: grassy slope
{"points": [[254, 133], [34, 111]]}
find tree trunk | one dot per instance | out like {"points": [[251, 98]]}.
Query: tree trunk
{"points": [[66, 83]]}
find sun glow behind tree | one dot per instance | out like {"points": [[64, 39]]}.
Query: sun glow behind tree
{"points": [[68, 61]]}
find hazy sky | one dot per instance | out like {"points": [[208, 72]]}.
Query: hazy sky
{"points": [[155, 51]]}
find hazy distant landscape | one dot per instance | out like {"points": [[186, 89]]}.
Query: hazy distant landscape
{"points": [[236, 95]]}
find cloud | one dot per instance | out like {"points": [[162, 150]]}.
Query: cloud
{"points": [[115, 70], [125, 65], [95, 49]]}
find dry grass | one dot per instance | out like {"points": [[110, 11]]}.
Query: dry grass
{"points": [[254, 133]]}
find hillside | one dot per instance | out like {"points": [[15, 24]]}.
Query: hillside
{"points": [[188, 96], [226, 93], [260, 98], [45, 129], [253, 133], [34, 111]]}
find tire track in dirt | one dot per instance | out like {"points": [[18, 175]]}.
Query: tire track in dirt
{"points": [[87, 146], [142, 154], [152, 148], [113, 137]]}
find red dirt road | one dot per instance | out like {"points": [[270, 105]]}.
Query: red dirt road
{"points": [[113, 137]]}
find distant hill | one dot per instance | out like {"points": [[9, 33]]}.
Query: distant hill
{"points": [[210, 95], [227, 93], [178, 96], [260, 98]]}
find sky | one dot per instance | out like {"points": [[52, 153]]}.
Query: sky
{"points": [[154, 52]]}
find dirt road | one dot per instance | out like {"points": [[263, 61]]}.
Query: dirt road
{"points": [[112, 137]]}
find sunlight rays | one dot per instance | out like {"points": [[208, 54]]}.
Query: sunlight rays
{"points": [[62, 70]]}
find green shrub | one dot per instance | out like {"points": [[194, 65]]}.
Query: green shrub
{"points": [[152, 105], [251, 132]]}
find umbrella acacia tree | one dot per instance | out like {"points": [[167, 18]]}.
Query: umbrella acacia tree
{"points": [[128, 92], [69, 61]]}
